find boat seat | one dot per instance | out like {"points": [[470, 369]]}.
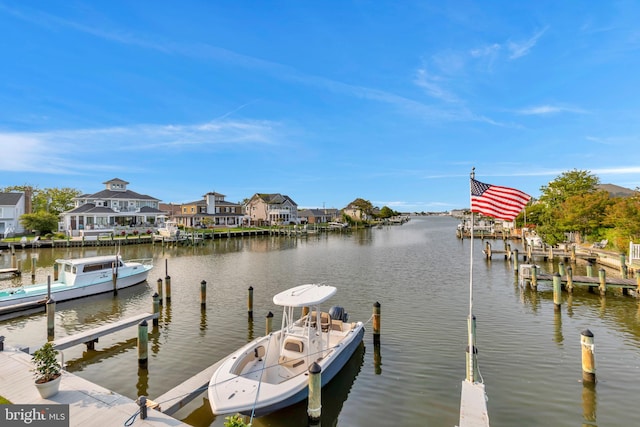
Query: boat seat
{"points": [[292, 355], [336, 325]]}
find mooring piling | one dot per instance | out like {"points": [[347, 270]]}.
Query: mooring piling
{"points": [[588, 357]]}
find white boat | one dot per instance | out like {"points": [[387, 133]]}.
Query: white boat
{"points": [[270, 372], [338, 225], [170, 231], [78, 278]]}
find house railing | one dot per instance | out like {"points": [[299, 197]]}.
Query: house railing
{"points": [[634, 252]]}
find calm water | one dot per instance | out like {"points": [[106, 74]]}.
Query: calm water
{"points": [[529, 355]]}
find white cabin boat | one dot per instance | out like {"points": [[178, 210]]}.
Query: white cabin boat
{"points": [[78, 278], [170, 231], [269, 373]]}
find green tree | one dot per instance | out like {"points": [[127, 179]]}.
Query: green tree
{"points": [[53, 200], [387, 212], [364, 205], [583, 212], [553, 195], [623, 216], [42, 222]]}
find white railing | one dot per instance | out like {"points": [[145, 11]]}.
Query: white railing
{"points": [[634, 252]]}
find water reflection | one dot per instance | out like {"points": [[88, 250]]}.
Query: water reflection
{"points": [[589, 401]]}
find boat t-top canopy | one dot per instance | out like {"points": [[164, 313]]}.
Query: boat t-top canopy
{"points": [[304, 295]]}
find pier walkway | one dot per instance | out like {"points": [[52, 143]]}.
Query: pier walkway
{"points": [[89, 403]]}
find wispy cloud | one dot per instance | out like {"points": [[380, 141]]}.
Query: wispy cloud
{"points": [[72, 151], [520, 49], [542, 110], [433, 85]]}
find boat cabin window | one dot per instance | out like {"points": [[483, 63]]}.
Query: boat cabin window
{"points": [[97, 266]]}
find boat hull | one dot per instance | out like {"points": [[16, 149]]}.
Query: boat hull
{"points": [[273, 397], [23, 299]]}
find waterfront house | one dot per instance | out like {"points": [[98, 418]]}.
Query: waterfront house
{"points": [[355, 212], [12, 206], [271, 209], [116, 205], [212, 210], [317, 216]]}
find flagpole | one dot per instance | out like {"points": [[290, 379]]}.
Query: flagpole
{"points": [[470, 345]]}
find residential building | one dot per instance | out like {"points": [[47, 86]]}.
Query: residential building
{"points": [[213, 210], [116, 205], [355, 212], [12, 206], [317, 216], [271, 209]]}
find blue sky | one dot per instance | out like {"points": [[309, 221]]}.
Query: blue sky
{"points": [[390, 101]]}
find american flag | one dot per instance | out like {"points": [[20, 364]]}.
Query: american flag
{"points": [[496, 201]]}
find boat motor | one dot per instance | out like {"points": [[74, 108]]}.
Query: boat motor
{"points": [[338, 313]]}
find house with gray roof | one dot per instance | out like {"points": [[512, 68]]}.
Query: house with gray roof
{"points": [[116, 205], [271, 209], [12, 206], [211, 211]]}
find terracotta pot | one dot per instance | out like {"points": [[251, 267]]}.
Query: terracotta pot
{"points": [[50, 388]]}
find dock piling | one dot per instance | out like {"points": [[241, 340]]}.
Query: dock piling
{"points": [[376, 322], [569, 279], [588, 357], [557, 291], [602, 275], [156, 308], [167, 285], [159, 291], [203, 294], [315, 390], [143, 344], [250, 303], [534, 276], [269, 323], [51, 318]]}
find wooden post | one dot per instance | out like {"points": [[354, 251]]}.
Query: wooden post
{"points": [[156, 308], [268, 327], [160, 291], [529, 253], [376, 322], [623, 264], [143, 338], [534, 276], [561, 269], [33, 267], [602, 275], [515, 261], [55, 271], [573, 254], [637, 283], [14, 260], [569, 279], [551, 253], [114, 277], [590, 269], [203, 294], [250, 303], [314, 409], [487, 250], [588, 357], [508, 254], [51, 319], [167, 286], [557, 291]]}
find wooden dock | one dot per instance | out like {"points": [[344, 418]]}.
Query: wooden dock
{"points": [[89, 403], [91, 336], [179, 396], [11, 271]]}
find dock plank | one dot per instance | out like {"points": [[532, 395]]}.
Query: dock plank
{"points": [[94, 334]]}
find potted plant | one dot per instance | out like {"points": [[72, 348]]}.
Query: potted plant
{"points": [[48, 370]]}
